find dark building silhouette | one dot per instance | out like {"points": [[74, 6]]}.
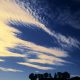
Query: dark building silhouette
{"points": [[57, 76]]}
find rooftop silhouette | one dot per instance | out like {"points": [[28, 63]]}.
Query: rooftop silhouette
{"points": [[48, 76]]}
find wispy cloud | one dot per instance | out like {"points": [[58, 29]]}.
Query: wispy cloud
{"points": [[38, 58], [75, 75], [34, 66], [19, 15], [61, 17], [8, 37], [7, 8], [1, 60], [9, 70], [43, 58], [66, 41]]}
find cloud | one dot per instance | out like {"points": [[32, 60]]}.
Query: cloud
{"points": [[9, 70], [19, 15], [75, 75], [44, 58], [10, 40], [60, 16], [1, 60], [43, 61], [39, 58], [8, 37], [34, 66], [66, 41]]}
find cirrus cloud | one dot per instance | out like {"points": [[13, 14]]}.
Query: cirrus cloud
{"points": [[8, 37], [9, 70]]}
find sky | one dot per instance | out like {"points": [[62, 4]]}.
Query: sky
{"points": [[38, 36]]}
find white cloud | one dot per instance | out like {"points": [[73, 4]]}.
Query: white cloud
{"points": [[34, 66], [7, 8], [75, 75], [1, 60], [9, 69], [66, 41], [43, 58], [9, 40], [40, 59]]}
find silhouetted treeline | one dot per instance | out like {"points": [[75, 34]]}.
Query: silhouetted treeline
{"points": [[48, 76]]}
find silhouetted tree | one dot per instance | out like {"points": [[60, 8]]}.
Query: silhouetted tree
{"points": [[75, 78], [46, 75], [49, 75], [66, 75], [32, 76], [59, 75], [40, 76], [55, 76]]}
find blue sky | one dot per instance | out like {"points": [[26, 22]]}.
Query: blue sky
{"points": [[39, 36]]}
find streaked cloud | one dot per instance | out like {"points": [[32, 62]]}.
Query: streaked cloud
{"points": [[8, 37], [19, 15], [39, 58], [34, 66], [59, 16], [75, 75], [44, 58], [66, 41], [1, 60], [9, 70], [6, 14]]}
